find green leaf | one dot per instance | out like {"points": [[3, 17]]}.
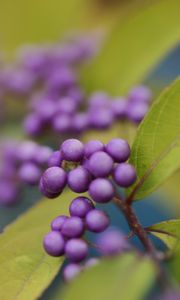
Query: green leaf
{"points": [[26, 270], [128, 276], [156, 149], [167, 231], [134, 47]]}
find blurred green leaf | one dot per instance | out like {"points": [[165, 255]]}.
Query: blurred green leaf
{"points": [[133, 47], [156, 148], [128, 276], [26, 270], [167, 231], [174, 263]]}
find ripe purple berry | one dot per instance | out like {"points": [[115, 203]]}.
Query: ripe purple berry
{"points": [[71, 271], [97, 221], [76, 250], [80, 206], [118, 149], [79, 179], [55, 159], [54, 243], [72, 150], [29, 173], [58, 222], [93, 146], [54, 180], [93, 261], [73, 227], [100, 164], [112, 242], [101, 190], [124, 175]]}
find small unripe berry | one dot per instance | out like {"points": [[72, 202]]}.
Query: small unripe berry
{"points": [[124, 175], [97, 221], [80, 206], [76, 250], [73, 227], [101, 190], [54, 243], [72, 150]]}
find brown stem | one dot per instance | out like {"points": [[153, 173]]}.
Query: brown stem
{"points": [[141, 233]]}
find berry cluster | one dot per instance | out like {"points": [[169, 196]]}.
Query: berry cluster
{"points": [[90, 167], [48, 77], [21, 163]]}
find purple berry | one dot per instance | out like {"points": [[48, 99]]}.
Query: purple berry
{"points": [[54, 180], [32, 125], [97, 220], [27, 151], [137, 111], [93, 146], [124, 175], [118, 149], [54, 243], [29, 173], [58, 222], [73, 227], [43, 154], [62, 123], [72, 150], [101, 190], [55, 159], [119, 107], [101, 118], [140, 93], [80, 206], [80, 122], [46, 193], [66, 105], [79, 179], [112, 242], [93, 261], [8, 192], [76, 250], [100, 164], [71, 271]]}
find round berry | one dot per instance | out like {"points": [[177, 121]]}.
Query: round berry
{"points": [[80, 206], [45, 192], [72, 150], [62, 123], [58, 222], [29, 173], [54, 243], [71, 271], [8, 192], [118, 149], [43, 154], [119, 107], [92, 147], [100, 164], [93, 261], [137, 111], [55, 159], [73, 227], [124, 175], [97, 220], [101, 190], [54, 180], [140, 93], [76, 250], [101, 118], [112, 242], [79, 179]]}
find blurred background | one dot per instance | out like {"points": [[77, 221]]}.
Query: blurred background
{"points": [[36, 22]]}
